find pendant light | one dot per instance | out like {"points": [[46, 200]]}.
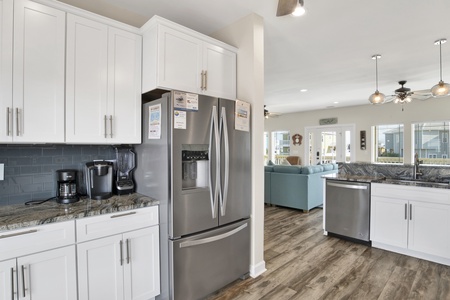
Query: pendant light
{"points": [[441, 89], [299, 9], [377, 97]]}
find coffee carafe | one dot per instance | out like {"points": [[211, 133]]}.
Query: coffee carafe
{"points": [[99, 179], [66, 191]]}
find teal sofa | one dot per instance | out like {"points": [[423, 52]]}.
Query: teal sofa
{"points": [[296, 186]]}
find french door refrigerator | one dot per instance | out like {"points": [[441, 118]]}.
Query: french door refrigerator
{"points": [[198, 166]]}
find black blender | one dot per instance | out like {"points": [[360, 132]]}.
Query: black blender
{"points": [[125, 164]]}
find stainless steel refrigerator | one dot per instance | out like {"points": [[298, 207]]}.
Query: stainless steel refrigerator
{"points": [[194, 161]]}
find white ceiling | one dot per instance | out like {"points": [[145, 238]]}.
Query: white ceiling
{"points": [[327, 51]]}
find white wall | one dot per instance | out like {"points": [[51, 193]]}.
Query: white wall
{"points": [[247, 35], [364, 117]]}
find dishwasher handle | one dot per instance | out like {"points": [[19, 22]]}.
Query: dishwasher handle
{"points": [[348, 186]]}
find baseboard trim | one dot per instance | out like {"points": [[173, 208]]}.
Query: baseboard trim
{"points": [[258, 269]]}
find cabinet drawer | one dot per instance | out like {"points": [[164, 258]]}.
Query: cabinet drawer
{"points": [[29, 240], [104, 225]]}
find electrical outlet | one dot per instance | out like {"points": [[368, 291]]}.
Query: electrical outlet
{"points": [[2, 171]]}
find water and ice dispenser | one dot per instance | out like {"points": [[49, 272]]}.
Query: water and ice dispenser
{"points": [[194, 169]]}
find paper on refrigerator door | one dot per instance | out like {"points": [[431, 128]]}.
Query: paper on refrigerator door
{"points": [[179, 119], [154, 121], [242, 116]]}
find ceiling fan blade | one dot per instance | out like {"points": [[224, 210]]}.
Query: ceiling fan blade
{"points": [[422, 94], [389, 98], [286, 7]]}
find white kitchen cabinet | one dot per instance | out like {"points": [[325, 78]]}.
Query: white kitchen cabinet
{"points": [[411, 220], [103, 100], [177, 58], [48, 275], [124, 263], [6, 55], [35, 113], [39, 262], [8, 279]]}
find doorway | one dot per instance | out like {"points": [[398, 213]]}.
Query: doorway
{"points": [[330, 144]]}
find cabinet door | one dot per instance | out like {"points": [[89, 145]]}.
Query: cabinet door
{"points": [[389, 221], [6, 46], [124, 86], [179, 60], [100, 271], [48, 275], [38, 83], [86, 81], [429, 228], [141, 268], [7, 279], [220, 67]]}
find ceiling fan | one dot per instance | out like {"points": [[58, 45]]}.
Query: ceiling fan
{"points": [[268, 114], [405, 95], [287, 7]]}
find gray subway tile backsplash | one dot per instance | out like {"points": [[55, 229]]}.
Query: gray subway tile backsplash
{"points": [[30, 170]]}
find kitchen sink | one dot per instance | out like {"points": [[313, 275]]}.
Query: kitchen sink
{"points": [[417, 182]]}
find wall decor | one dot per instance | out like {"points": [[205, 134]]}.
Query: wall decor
{"points": [[328, 121], [297, 139]]}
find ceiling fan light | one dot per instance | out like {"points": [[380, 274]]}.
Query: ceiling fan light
{"points": [[377, 98], [408, 99], [441, 89]]}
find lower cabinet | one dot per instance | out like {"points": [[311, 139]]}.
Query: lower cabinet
{"points": [[48, 275], [416, 220], [122, 266]]}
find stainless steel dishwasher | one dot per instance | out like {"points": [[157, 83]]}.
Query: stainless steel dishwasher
{"points": [[347, 209]]}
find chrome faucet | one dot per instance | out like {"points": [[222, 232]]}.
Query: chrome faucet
{"points": [[416, 171]]}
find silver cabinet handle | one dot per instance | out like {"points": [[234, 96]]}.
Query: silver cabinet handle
{"points": [[123, 215], [8, 122], [17, 122], [206, 80], [406, 211], [105, 119], [348, 186], [17, 233], [111, 125], [128, 250], [121, 252], [213, 238], [23, 281], [410, 211], [202, 80], [12, 283]]}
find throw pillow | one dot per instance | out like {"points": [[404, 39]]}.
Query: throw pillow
{"points": [[284, 162], [270, 163]]}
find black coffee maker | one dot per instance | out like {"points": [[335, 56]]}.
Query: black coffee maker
{"points": [[66, 186]]}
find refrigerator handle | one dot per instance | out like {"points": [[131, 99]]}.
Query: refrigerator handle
{"points": [[224, 130], [213, 238], [213, 136]]}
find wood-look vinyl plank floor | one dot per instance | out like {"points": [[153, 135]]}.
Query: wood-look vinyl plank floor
{"points": [[303, 264]]}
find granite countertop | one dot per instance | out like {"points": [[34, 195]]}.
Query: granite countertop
{"points": [[384, 180], [358, 178], [20, 216]]}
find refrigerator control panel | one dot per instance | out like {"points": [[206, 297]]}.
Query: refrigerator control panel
{"points": [[194, 155]]}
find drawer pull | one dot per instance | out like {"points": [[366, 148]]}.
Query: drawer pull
{"points": [[23, 281], [12, 283], [123, 215], [17, 233], [121, 252], [128, 251]]}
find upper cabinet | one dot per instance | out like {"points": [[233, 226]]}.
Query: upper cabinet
{"points": [[175, 57], [35, 113], [103, 99]]}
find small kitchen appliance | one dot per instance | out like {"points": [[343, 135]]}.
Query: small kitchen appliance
{"points": [[66, 191], [125, 159], [99, 178]]}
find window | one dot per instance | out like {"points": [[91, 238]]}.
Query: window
{"points": [[281, 144], [431, 142], [266, 147], [388, 143]]}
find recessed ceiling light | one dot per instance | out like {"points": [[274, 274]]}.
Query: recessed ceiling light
{"points": [[303, 90], [336, 102]]}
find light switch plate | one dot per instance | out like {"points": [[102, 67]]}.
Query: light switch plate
{"points": [[2, 171]]}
